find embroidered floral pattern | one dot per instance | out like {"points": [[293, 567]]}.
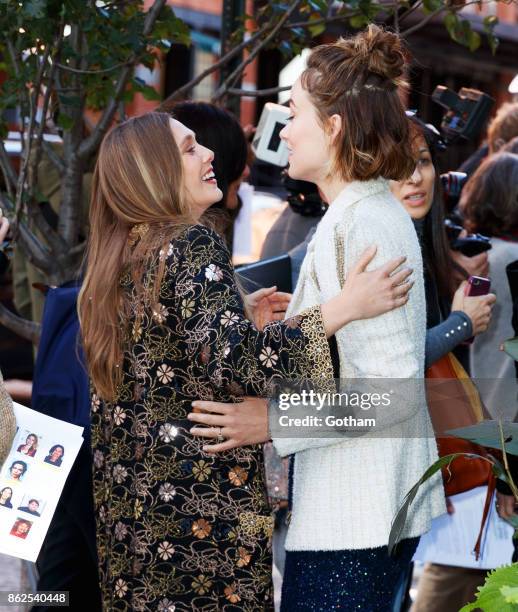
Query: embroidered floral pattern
{"points": [[178, 530]]}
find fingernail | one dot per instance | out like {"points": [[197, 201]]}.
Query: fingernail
{"points": [[189, 416]]}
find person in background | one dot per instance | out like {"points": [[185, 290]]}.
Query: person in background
{"points": [[6, 494], [30, 447], [502, 128], [489, 204], [218, 130], [55, 456], [31, 508], [449, 323], [17, 470]]}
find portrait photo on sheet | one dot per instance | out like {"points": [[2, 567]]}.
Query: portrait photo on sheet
{"points": [[32, 504], [28, 443], [21, 528], [55, 455], [7, 496], [15, 470]]}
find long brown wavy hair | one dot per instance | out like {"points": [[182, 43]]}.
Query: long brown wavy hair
{"points": [[137, 207]]}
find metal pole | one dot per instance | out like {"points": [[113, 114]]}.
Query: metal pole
{"points": [[232, 10]]}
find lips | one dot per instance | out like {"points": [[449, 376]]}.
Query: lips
{"points": [[417, 198], [209, 176]]}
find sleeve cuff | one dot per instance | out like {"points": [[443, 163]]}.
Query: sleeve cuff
{"points": [[318, 353]]}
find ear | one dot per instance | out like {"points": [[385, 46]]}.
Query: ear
{"points": [[498, 144], [335, 126]]}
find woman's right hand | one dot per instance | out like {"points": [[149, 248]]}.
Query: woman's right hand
{"points": [[478, 308], [368, 294]]}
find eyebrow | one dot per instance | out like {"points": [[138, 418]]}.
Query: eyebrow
{"points": [[424, 150], [187, 139]]}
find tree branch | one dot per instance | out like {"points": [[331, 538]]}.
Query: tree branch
{"points": [[255, 52], [179, 93], [27, 143], [100, 71], [22, 327], [257, 93], [90, 144], [7, 170], [35, 161], [56, 159]]}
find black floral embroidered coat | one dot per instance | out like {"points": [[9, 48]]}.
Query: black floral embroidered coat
{"points": [[178, 529]]}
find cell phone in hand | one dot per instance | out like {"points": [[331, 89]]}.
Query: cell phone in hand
{"points": [[477, 285]]}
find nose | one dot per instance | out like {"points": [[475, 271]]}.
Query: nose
{"points": [[208, 155], [246, 173], [283, 134], [416, 177]]}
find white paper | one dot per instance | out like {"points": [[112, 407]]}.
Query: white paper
{"points": [[36, 478], [453, 536]]}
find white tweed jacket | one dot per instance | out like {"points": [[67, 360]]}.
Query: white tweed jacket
{"points": [[346, 492]]}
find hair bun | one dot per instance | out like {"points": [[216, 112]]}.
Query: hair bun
{"points": [[381, 52]]}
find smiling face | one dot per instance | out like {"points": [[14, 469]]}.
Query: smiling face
{"points": [[56, 453], [22, 528], [201, 187], [416, 193], [33, 505], [31, 441], [309, 144]]}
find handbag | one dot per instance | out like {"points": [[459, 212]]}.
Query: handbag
{"points": [[454, 401]]}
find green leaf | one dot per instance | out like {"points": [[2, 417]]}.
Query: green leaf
{"points": [[490, 22], [474, 41], [430, 6], [451, 22], [511, 347], [510, 594], [490, 596], [398, 523], [150, 93], [358, 21], [65, 122]]}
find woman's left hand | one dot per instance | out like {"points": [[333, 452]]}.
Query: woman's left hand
{"points": [[505, 505], [267, 305], [240, 424]]}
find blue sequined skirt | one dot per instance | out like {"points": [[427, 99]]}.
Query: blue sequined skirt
{"points": [[365, 579]]}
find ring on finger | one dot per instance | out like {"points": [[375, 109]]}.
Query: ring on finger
{"points": [[220, 437]]}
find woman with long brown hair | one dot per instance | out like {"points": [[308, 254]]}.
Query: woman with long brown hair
{"points": [[163, 324]]}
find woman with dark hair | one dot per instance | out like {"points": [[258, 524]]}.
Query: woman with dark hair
{"points": [[162, 323], [442, 587], [6, 494], [17, 470], [30, 447], [421, 195], [55, 456], [218, 130], [489, 203]]}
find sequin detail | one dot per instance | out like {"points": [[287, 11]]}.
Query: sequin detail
{"points": [[340, 257], [348, 580]]}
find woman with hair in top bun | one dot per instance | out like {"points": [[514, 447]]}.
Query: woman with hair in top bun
{"points": [[349, 134]]}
